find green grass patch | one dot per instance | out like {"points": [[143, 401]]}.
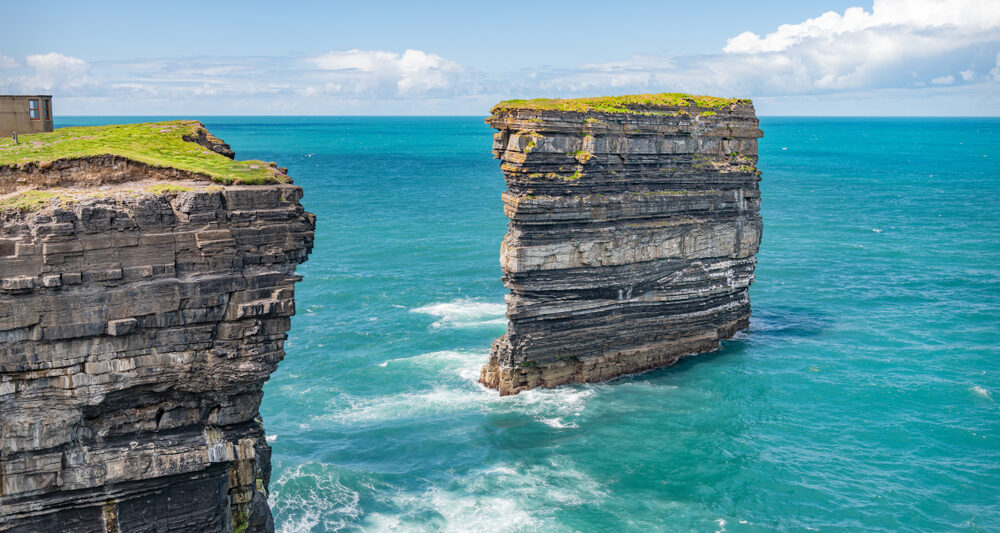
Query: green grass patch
{"points": [[162, 188], [27, 201], [707, 114], [158, 144], [242, 522], [629, 104]]}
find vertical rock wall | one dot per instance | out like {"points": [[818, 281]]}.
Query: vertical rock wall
{"points": [[632, 237], [135, 335]]}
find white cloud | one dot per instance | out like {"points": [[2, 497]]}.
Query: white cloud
{"points": [[55, 71], [370, 75], [896, 50], [412, 72], [897, 44], [969, 15]]}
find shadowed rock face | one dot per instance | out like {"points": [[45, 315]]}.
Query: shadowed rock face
{"points": [[135, 335], [631, 242]]}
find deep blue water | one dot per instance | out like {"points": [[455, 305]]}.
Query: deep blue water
{"points": [[863, 397]]}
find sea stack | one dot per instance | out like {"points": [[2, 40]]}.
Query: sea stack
{"points": [[142, 307], [634, 227]]}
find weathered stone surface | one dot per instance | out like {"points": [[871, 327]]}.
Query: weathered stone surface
{"points": [[135, 335], [631, 242]]}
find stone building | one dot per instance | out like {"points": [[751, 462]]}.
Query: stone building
{"points": [[24, 114]]}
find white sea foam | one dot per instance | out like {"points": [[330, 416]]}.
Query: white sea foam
{"points": [[561, 402], [502, 497], [554, 407], [465, 313], [499, 497], [465, 364], [440, 400], [461, 513], [981, 392], [451, 388], [271, 438], [310, 494], [557, 423], [455, 389]]}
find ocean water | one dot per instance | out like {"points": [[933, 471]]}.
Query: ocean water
{"points": [[864, 396]]}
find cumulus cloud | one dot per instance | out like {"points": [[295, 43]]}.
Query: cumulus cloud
{"points": [[898, 44], [6, 62], [967, 15], [56, 71]]}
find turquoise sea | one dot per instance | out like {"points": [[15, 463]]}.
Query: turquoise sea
{"points": [[865, 396]]}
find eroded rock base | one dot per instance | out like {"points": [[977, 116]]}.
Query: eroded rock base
{"points": [[512, 380]]}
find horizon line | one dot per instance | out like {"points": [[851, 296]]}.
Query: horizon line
{"points": [[57, 117]]}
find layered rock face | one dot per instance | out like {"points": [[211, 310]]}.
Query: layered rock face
{"points": [[632, 237], [136, 331]]}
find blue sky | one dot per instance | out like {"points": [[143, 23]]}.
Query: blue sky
{"points": [[881, 57]]}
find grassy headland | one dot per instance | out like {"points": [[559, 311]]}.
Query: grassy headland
{"points": [[157, 144]]}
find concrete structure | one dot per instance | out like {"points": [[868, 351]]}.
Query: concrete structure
{"points": [[25, 114]]}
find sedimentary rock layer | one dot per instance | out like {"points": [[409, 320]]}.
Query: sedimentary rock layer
{"points": [[136, 331], [632, 237]]}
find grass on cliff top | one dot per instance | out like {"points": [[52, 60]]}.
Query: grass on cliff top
{"points": [[619, 104], [27, 201], [158, 144]]}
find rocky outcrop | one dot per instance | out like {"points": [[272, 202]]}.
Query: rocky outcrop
{"points": [[136, 331], [632, 236], [213, 143]]}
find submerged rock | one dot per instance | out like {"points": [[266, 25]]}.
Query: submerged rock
{"points": [[136, 331], [634, 228]]}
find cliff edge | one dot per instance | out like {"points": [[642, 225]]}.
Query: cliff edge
{"points": [[146, 285], [634, 227]]}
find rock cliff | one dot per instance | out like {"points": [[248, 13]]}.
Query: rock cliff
{"points": [[634, 224], [140, 314]]}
